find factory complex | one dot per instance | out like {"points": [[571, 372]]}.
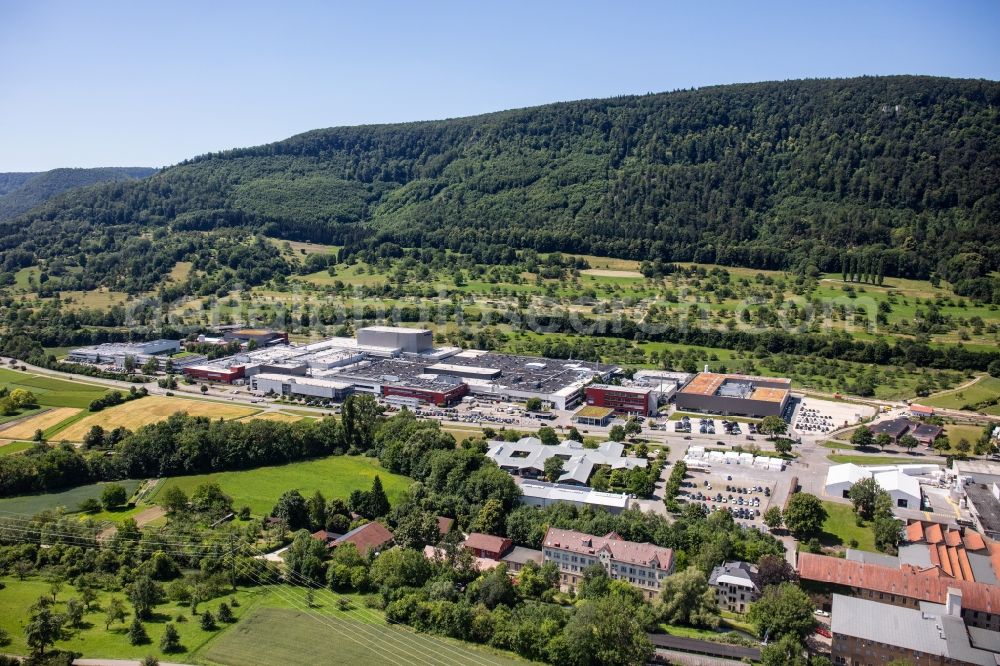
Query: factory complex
{"points": [[735, 395], [402, 365]]}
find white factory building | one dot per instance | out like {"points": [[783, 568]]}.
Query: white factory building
{"points": [[900, 481]]}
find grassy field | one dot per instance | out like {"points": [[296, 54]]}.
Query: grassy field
{"points": [[137, 413], [8, 447], [52, 391], [42, 421], [303, 638], [335, 476], [67, 499], [859, 459], [987, 388], [839, 528], [958, 431], [278, 416]]}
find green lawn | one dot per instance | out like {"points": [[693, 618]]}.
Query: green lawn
{"points": [[67, 499], [14, 447], [335, 476], [839, 528], [303, 638], [51, 391], [986, 388], [873, 460]]}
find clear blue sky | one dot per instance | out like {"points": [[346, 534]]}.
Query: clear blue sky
{"points": [[149, 83]]}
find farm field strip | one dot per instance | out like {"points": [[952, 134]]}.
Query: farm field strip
{"points": [[43, 421], [143, 411]]}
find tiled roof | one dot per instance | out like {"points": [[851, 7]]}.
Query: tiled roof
{"points": [[645, 554], [947, 547], [908, 582], [368, 537], [487, 542], [444, 524]]}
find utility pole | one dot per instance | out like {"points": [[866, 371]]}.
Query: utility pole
{"points": [[232, 557]]}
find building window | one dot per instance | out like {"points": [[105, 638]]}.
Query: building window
{"points": [[902, 503]]}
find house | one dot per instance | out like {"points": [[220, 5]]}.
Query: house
{"points": [[920, 411], [370, 537], [643, 565], [906, 586], [445, 524], [865, 631], [487, 546], [894, 428], [480, 563], [735, 585], [326, 537], [949, 552], [926, 433], [520, 556], [840, 478]]}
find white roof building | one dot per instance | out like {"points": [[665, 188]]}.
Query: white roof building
{"points": [[543, 494], [904, 488], [527, 456]]}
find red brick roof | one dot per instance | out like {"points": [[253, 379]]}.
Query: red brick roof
{"points": [[907, 582], [619, 550], [487, 542], [368, 537], [947, 547]]}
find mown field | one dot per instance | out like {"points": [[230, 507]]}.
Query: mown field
{"points": [[260, 488], [840, 528], [985, 389], [52, 391]]}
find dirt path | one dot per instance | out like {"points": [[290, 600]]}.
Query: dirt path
{"points": [[147, 516], [607, 272]]}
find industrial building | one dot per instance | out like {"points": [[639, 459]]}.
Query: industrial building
{"points": [[624, 400], [261, 337], [900, 481], [526, 458], [542, 494], [408, 340], [274, 384], [739, 395], [115, 353]]}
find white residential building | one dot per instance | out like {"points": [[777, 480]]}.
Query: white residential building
{"points": [[735, 585]]}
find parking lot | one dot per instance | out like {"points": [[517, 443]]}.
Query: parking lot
{"points": [[813, 416], [743, 491], [713, 426]]}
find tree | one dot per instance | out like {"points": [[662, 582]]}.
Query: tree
{"points": [[225, 614], [292, 509], [594, 582], [378, 502], [144, 594], [863, 495], [74, 612], [617, 433], [401, 567], [783, 445], [548, 436], [686, 598], [209, 498], [805, 515], [774, 570], [887, 532], [533, 404], [305, 557], [174, 500], [553, 468], [22, 398], [495, 588], [941, 443], [88, 594], [94, 439], [208, 621], [963, 445], [420, 528], [573, 434], [115, 612], [44, 628], [782, 610], [605, 631], [113, 496], [317, 511], [772, 426], [204, 389], [773, 518], [171, 640], [491, 517], [786, 652], [128, 364], [137, 632], [862, 437], [882, 440], [908, 442], [632, 427]]}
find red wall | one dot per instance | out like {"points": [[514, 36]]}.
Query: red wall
{"points": [[620, 401], [228, 376], [434, 397]]}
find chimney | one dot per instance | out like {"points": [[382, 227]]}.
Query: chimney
{"points": [[953, 605]]}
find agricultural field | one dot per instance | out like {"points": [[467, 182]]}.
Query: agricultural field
{"points": [[9, 447], [260, 488], [25, 429], [143, 411], [52, 391], [69, 500]]}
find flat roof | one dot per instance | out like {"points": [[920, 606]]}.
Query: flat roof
{"points": [[640, 390], [768, 394], [592, 412], [986, 505], [704, 383], [884, 623], [394, 329]]}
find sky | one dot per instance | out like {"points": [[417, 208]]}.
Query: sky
{"points": [[103, 83]]}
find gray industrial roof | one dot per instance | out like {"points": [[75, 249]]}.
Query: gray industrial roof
{"points": [[578, 461], [876, 558]]}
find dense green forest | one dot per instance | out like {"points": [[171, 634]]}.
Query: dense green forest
{"points": [[20, 192], [900, 172]]}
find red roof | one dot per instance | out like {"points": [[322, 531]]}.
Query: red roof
{"points": [[907, 582], [366, 538], [947, 547], [920, 409], [444, 524], [486, 542], [645, 554]]}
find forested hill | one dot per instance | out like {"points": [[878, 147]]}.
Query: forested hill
{"points": [[20, 192], [903, 172]]}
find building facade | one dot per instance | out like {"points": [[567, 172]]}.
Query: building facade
{"points": [[740, 395], [643, 565], [735, 586], [623, 400]]}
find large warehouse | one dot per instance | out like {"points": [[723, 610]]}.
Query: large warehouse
{"points": [[739, 395], [624, 400]]}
